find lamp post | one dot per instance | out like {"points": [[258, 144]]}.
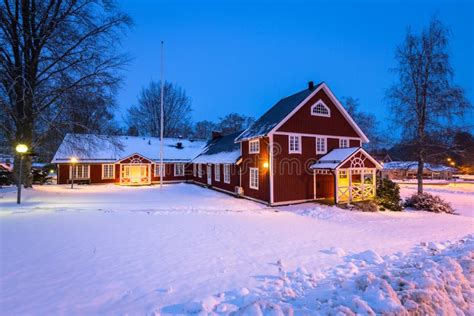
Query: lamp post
{"points": [[73, 164], [21, 149]]}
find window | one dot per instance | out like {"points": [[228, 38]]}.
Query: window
{"points": [[217, 172], [343, 143], [200, 170], [254, 178], [158, 170], [80, 171], [294, 143], [179, 169], [321, 145], [108, 171], [194, 170], [320, 109], [254, 146], [227, 173]]}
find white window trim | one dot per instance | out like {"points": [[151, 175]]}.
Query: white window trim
{"points": [[194, 170], [320, 102], [250, 178], [157, 167], [318, 152], [176, 169], [103, 173], [200, 173], [344, 139], [75, 168], [300, 145], [254, 141], [217, 172], [226, 173]]}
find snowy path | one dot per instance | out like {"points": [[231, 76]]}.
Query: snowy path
{"points": [[114, 250]]}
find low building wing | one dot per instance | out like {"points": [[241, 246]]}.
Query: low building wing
{"points": [[90, 148], [221, 150]]}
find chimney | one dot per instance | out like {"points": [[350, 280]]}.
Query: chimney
{"points": [[310, 85], [216, 135]]}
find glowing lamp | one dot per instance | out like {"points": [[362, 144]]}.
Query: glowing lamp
{"points": [[449, 159], [452, 163], [265, 165], [21, 148], [51, 171], [73, 160]]}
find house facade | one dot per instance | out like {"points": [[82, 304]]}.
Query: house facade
{"points": [[304, 148]]}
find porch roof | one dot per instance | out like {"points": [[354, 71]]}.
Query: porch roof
{"points": [[338, 156]]}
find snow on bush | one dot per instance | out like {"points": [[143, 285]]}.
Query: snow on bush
{"points": [[430, 203], [434, 279], [366, 206]]}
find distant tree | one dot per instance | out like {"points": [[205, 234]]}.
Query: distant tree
{"points": [[49, 51], [367, 121], [132, 131], [145, 116], [234, 122], [204, 129], [424, 98]]}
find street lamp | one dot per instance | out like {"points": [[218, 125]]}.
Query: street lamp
{"points": [[21, 149], [73, 163]]}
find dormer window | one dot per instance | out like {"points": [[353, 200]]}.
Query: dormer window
{"points": [[320, 109]]}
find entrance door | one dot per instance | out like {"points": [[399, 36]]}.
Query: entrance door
{"points": [[209, 174], [135, 174]]}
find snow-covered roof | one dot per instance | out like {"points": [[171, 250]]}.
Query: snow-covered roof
{"points": [[334, 158], [97, 148], [275, 114], [413, 165], [221, 150]]}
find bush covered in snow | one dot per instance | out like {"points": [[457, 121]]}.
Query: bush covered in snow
{"points": [[388, 195], [430, 203], [366, 206]]}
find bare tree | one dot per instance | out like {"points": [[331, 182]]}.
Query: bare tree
{"points": [[49, 52], [367, 121], [424, 99], [234, 122], [177, 111], [204, 129]]}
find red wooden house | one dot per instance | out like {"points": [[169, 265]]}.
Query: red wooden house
{"points": [[124, 160], [304, 148]]}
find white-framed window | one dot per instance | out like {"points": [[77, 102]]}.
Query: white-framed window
{"points": [[254, 146], [226, 173], [108, 171], [320, 109], [294, 144], [179, 169], [200, 170], [194, 170], [321, 145], [254, 178], [158, 170], [343, 143], [217, 172], [342, 174], [79, 171]]}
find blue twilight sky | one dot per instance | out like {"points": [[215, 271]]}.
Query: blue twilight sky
{"points": [[243, 56]]}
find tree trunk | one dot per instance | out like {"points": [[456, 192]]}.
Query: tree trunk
{"points": [[419, 175]]}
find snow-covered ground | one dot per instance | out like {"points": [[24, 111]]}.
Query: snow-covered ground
{"points": [[184, 249]]}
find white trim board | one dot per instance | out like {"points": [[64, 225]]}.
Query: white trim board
{"points": [[337, 104]]}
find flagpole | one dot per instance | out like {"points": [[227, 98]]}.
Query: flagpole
{"points": [[161, 119]]}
